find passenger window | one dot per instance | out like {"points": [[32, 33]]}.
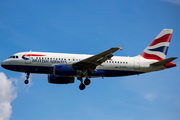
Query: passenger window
{"points": [[115, 61], [118, 61], [112, 61], [59, 58], [13, 56], [123, 62], [69, 59], [16, 56], [64, 59], [109, 61], [126, 62], [73, 59]]}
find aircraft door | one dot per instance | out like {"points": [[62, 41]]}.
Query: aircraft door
{"points": [[27, 59], [136, 64]]}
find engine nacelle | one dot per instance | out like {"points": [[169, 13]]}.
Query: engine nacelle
{"points": [[65, 70], [60, 80]]}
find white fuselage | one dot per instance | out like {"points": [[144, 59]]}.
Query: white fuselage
{"points": [[43, 62], [63, 68]]}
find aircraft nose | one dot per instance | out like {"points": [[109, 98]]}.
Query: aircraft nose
{"points": [[4, 63], [7, 64]]}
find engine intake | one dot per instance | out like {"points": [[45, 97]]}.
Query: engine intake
{"points": [[65, 70]]}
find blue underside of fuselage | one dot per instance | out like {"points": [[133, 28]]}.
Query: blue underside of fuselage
{"points": [[49, 70]]}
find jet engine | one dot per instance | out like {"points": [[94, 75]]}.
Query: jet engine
{"points": [[65, 70], [60, 80]]}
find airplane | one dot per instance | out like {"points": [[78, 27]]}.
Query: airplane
{"points": [[62, 68]]}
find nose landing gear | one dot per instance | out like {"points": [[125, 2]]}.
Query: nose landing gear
{"points": [[27, 77]]}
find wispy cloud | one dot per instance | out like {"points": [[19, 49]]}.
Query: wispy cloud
{"points": [[8, 92], [173, 1], [150, 97]]}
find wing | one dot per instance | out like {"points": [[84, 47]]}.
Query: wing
{"points": [[92, 62]]}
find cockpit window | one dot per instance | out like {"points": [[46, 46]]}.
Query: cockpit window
{"points": [[13, 56]]}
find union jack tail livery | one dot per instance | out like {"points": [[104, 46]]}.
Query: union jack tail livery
{"points": [[158, 48]]}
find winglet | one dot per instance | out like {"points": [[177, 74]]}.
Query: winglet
{"points": [[120, 47]]}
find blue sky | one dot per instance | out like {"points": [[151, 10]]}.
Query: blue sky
{"points": [[89, 27]]}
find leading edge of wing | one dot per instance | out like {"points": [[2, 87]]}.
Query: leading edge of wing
{"points": [[98, 59]]}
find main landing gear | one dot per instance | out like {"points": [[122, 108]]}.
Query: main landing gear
{"points": [[27, 77], [86, 82]]}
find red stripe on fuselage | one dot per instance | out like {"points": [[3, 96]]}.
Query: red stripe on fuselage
{"points": [[164, 38], [150, 56], [33, 55]]}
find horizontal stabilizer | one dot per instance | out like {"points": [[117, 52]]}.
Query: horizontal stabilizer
{"points": [[165, 61]]}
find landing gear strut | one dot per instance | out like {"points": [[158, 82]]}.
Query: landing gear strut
{"points": [[86, 82], [27, 77], [81, 86]]}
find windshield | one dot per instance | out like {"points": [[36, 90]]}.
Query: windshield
{"points": [[13, 56]]}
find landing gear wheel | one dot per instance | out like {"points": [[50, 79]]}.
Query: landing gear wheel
{"points": [[82, 86], [87, 81], [27, 77], [26, 81]]}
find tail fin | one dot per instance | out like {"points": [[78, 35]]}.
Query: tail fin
{"points": [[158, 48]]}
